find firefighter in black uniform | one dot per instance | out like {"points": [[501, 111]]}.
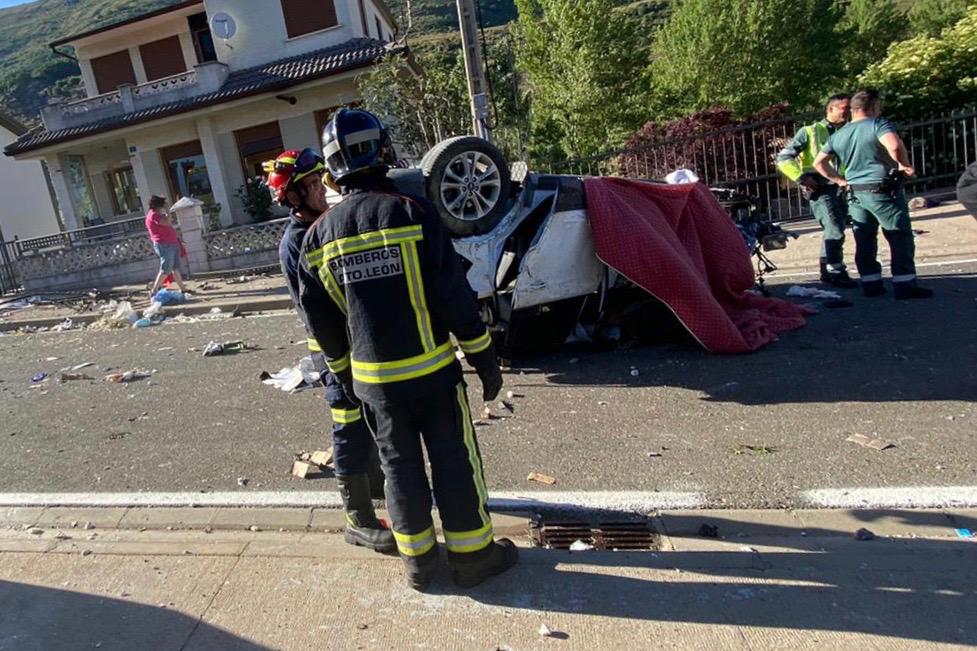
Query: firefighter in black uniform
{"points": [[295, 180], [383, 290]]}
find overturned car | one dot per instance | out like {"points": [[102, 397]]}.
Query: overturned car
{"points": [[528, 241]]}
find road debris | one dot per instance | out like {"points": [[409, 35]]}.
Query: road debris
{"points": [[507, 406], [78, 367], [322, 458], [864, 534], [757, 450], [811, 292], [39, 377], [635, 372], [293, 379], [580, 546], [708, 530], [141, 416], [71, 377], [541, 478], [86, 552], [964, 533], [303, 469], [242, 481], [546, 631], [869, 442], [215, 348], [654, 454], [129, 376], [254, 527], [512, 394], [487, 413], [35, 531]]}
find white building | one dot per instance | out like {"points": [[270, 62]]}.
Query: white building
{"points": [[190, 99], [26, 210]]}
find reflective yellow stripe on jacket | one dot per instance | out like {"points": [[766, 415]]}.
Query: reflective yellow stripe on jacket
{"points": [[404, 369], [476, 345], [313, 345]]}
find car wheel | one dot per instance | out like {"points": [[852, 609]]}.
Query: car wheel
{"points": [[468, 180]]}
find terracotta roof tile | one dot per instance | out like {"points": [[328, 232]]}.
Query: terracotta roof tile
{"points": [[268, 77]]}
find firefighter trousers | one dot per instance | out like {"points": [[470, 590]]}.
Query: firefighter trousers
{"points": [[353, 450], [869, 211], [442, 422]]}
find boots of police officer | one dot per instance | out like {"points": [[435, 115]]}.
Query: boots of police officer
{"points": [[469, 570], [836, 277], [363, 529]]}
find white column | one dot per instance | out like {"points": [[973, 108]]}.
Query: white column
{"points": [[88, 77], [60, 182], [149, 173], [190, 216], [215, 168], [300, 132], [189, 53], [137, 65]]}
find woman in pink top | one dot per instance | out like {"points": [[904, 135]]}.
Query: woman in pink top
{"points": [[166, 242]]}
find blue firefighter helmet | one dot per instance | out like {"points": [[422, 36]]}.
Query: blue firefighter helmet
{"points": [[355, 141]]}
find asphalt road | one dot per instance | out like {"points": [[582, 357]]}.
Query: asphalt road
{"points": [[902, 371]]}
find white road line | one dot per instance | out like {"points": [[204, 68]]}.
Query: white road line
{"points": [[919, 497], [624, 501], [806, 274]]}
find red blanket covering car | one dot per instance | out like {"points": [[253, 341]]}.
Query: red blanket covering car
{"points": [[678, 243]]}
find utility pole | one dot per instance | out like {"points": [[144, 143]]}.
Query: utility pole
{"points": [[474, 68]]}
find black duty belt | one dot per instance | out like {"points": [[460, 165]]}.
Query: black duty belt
{"points": [[869, 187]]}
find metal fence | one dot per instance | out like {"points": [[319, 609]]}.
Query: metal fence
{"points": [[743, 158], [67, 239], [9, 278]]}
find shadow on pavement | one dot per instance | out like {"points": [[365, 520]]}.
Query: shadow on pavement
{"points": [[879, 350], [902, 588], [35, 617]]}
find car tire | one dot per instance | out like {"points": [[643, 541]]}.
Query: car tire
{"points": [[468, 180]]}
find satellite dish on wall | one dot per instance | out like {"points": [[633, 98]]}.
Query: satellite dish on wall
{"points": [[222, 25]]}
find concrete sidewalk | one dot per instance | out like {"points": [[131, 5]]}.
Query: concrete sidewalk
{"points": [[772, 579]]}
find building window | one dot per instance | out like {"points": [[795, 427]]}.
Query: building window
{"points": [[163, 58], [186, 171], [123, 190], [203, 40], [307, 16], [258, 144], [113, 70]]}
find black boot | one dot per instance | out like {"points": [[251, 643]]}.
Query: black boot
{"points": [[839, 279], [495, 559], [873, 288], [904, 291], [422, 569], [362, 527]]}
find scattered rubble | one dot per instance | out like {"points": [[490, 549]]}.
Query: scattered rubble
{"points": [[869, 442], [129, 376], [811, 292], [757, 450], [580, 546], [507, 406], [71, 377], [242, 481], [39, 377], [215, 348], [964, 533], [322, 458], [541, 478], [303, 469], [307, 464]]}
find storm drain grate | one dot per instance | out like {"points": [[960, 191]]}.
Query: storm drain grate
{"points": [[638, 535]]}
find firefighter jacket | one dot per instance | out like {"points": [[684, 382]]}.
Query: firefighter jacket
{"points": [[382, 288], [797, 158], [289, 251]]}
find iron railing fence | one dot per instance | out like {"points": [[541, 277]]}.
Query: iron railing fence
{"points": [[66, 239], [743, 158]]}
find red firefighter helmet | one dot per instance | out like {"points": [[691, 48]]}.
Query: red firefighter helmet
{"points": [[291, 166]]}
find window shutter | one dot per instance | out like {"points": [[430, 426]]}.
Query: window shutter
{"points": [[306, 16], [113, 70], [163, 58]]}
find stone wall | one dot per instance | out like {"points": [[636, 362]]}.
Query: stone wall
{"points": [[117, 261]]}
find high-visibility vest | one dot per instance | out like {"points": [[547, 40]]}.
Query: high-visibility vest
{"points": [[817, 137]]}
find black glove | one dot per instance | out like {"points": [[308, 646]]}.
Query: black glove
{"points": [[487, 367]]}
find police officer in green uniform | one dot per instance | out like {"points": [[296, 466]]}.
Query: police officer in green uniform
{"points": [[874, 161], [796, 162]]}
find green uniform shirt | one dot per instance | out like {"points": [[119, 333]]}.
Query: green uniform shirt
{"points": [[857, 148]]}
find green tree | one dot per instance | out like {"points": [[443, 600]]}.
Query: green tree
{"points": [[866, 30], [583, 66], [745, 54], [929, 74], [932, 16]]}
